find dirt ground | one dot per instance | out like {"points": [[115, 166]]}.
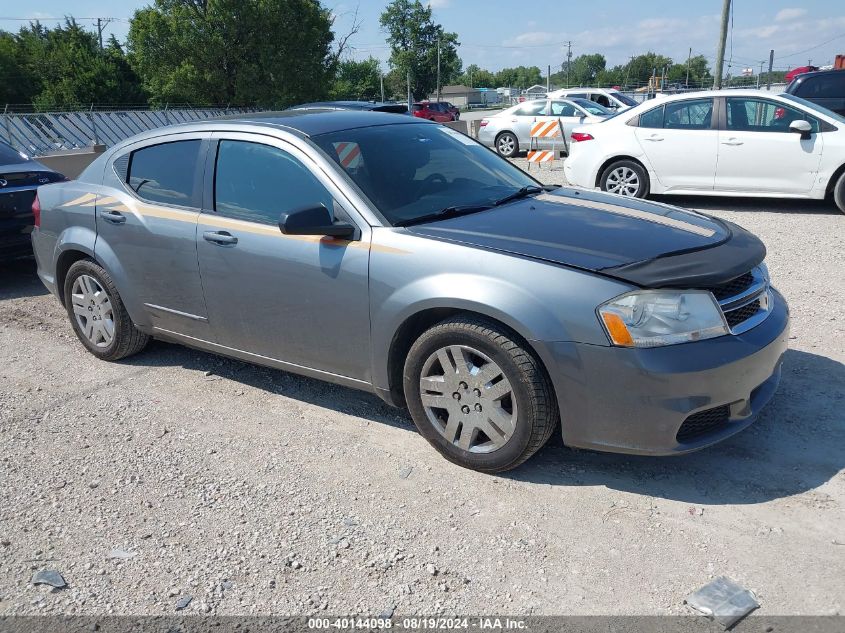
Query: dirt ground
{"points": [[179, 474]]}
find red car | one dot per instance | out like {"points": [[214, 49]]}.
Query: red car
{"points": [[432, 111]]}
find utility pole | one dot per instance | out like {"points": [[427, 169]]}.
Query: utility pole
{"points": [[689, 59], [381, 79], [568, 61], [723, 40], [628, 71], [760, 76], [549, 79], [771, 64], [438, 70], [101, 25], [410, 100]]}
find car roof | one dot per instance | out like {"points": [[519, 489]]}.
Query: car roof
{"points": [[315, 121]]}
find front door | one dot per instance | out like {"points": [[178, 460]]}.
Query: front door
{"points": [[680, 141], [297, 299], [758, 153]]}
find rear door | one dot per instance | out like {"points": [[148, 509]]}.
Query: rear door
{"points": [[758, 153], [524, 117], [680, 141], [298, 299], [146, 229]]}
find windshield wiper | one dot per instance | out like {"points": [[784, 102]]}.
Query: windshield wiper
{"points": [[443, 214], [523, 192]]}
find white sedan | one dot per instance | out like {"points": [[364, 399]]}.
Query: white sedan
{"points": [[722, 143]]}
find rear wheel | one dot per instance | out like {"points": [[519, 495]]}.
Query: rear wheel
{"points": [[478, 395], [507, 145], [98, 315], [839, 193], [625, 178]]}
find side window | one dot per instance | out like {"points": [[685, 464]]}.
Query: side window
{"points": [[561, 108], [760, 115], [165, 173], [695, 114], [532, 108], [601, 100], [258, 183], [653, 118], [823, 87]]}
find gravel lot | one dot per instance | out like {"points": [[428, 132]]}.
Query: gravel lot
{"points": [[177, 473]]}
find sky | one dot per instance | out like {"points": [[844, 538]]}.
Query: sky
{"points": [[499, 33]]}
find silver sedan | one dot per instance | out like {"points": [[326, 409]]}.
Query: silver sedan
{"points": [[509, 131]]}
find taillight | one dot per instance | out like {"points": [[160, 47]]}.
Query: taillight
{"points": [[36, 211], [483, 123], [578, 137]]}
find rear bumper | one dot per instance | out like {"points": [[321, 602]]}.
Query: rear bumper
{"points": [[636, 400]]}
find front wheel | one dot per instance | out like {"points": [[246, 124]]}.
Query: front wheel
{"points": [[98, 315], [478, 395], [625, 178], [507, 145], [839, 193]]}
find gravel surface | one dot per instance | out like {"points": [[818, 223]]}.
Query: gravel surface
{"points": [[181, 480]]}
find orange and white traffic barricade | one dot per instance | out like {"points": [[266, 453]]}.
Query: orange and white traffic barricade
{"points": [[349, 155], [544, 130]]}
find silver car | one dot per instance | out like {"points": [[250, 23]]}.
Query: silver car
{"points": [[509, 131], [398, 256]]}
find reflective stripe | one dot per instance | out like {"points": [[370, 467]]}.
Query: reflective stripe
{"points": [[545, 129], [540, 156]]}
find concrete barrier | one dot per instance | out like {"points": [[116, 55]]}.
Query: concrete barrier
{"points": [[460, 126], [72, 162]]}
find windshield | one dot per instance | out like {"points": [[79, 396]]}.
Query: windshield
{"points": [[624, 99], [814, 106], [592, 107], [409, 171], [9, 156]]}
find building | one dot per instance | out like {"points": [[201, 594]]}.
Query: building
{"points": [[464, 96]]}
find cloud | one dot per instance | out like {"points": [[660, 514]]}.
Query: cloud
{"points": [[785, 15]]}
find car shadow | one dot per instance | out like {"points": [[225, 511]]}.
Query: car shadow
{"points": [[796, 445], [308, 390], [755, 205], [18, 279]]}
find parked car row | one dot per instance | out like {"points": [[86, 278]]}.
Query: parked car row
{"points": [[725, 143]]}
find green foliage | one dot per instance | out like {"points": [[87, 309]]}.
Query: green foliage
{"points": [[358, 80], [519, 77], [261, 52], [582, 71], [413, 37], [64, 68], [476, 77]]}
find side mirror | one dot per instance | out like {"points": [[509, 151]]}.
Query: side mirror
{"points": [[314, 220], [801, 127]]}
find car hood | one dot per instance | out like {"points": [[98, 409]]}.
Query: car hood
{"points": [[642, 242]]}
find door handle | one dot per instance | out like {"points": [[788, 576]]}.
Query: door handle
{"points": [[115, 217], [219, 237], [654, 138], [732, 141]]}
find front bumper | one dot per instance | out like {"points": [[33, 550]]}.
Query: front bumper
{"points": [[636, 400]]}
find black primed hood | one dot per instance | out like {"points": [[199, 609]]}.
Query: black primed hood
{"points": [[645, 243]]}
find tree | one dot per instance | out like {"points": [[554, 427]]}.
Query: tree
{"points": [[256, 52], [413, 37], [582, 71], [639, 70], [357, 80], [519, 77], [476, 77]]}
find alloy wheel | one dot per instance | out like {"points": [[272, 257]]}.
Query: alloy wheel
{"points": [[92, 309], [623, 181], [468, 399], [506, 145]]}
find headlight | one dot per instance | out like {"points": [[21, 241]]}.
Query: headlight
{"points": [[652, 318]]}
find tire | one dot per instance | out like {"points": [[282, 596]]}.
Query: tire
{"points": [[92, 303], [509, 381], [507, 144], [631, 177], [839, 192]]}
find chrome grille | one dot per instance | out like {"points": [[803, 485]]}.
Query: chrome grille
{"points": [[745, 300]]}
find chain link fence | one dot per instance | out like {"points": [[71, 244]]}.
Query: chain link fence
{"points": [[40, 133]]}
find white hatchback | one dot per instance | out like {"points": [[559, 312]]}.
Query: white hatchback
{"points": [[724, 143]]}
